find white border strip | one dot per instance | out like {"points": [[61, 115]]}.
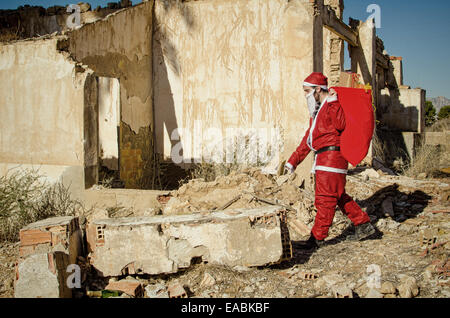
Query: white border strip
{"points": [[330, 169]]}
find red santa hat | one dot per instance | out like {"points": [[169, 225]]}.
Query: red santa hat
{"points": [[316, 79]]}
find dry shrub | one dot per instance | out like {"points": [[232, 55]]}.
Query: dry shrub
{"points": [[25, 199], [210, 171], [439, 126], [244, 155], [379, 148], [426, 160], [7, 35]]}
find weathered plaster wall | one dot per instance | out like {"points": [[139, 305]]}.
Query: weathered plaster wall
{"points": [[41, 107], [231, 64], [120, 47]]}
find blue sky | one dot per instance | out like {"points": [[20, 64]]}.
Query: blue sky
{"points": [[417, 30]]}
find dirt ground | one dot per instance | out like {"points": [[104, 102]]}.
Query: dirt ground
{"points": [[411, 215]]}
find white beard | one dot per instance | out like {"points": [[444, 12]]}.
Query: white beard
{"points": [[312, 104]]}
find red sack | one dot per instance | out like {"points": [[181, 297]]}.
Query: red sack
{"points": [[359, 122]]}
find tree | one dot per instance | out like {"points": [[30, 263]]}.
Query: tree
{"points": [[444, 112], [430, 113]]}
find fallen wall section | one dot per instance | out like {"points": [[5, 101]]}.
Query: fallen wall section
{"points": [[165, 244], [47, 248]]}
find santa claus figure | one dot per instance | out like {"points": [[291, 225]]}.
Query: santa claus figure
{"points": [[327, 123]]}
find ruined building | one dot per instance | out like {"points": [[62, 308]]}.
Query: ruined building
{"points": [[108, 96]]}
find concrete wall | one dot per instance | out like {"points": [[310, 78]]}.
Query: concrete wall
{"points": [[232, 64], [41, 108], [120, 47], [405, 109]]}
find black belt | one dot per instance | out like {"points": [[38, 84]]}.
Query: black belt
{"points": [[331, 148]]}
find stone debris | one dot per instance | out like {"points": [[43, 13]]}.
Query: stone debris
{"points": [[328, 281], [248, 289], [388, 288], [369, 174], [299, 227], [408, 287], [240, 268], [289, 273], [207, 281], [156, 291], [198, 195], [373, 293], [342, 291]]}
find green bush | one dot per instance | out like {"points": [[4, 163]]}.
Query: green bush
{"points": [[444, 112]]}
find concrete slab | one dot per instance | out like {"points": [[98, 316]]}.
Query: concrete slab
{"points": [[42, 275], [165, 244]]}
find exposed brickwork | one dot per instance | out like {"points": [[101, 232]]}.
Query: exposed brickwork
{"points": [[46, 237]]}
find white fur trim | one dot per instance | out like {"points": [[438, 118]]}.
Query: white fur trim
{"points": [[314, 85], [309, 141], [290, 167], [331, 99]]}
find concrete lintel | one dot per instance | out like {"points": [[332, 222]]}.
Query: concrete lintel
{"points": [[337, 26]]}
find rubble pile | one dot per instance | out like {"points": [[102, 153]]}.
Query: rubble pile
{"points": [[247, 189], [197, 195], [409, 259]]}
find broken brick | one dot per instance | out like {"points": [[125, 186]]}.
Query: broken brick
{"points": [[176, 290], [308, 276], [129, 287]]}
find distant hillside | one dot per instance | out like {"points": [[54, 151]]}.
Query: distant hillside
{"points": [[439, 102]]}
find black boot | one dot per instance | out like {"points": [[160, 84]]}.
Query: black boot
{"points": [[313, 243], [362, 232]]}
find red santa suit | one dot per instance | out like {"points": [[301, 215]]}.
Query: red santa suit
{"points": [[330, 167]]}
